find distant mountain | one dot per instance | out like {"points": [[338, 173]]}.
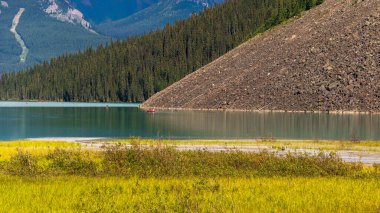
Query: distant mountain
{"points": [[99, 11], [35, 31], [153, 16]]}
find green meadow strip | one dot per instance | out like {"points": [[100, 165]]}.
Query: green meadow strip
{"points": [[276, 194]]}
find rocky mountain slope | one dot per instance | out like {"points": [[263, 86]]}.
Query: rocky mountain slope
{"points": [[326, 60]]}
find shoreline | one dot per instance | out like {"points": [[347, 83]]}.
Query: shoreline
{"points": [[39, 103], [348, 112], [55, 104], [366, 152], [79, 139]]}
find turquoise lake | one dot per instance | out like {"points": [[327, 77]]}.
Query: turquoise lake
{"points": [[21, 120]]}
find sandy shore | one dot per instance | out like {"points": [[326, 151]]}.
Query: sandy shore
{"points": [[366, 157]]}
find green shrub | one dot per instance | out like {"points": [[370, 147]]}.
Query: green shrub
{"points": [[72, 162], [23, 164], [163, 161]]}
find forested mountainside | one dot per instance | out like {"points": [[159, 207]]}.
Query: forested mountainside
{"points": [[327, 60], [49, 28], [34, 31], [135, 69]]}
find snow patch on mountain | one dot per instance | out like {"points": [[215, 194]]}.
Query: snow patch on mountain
{"points": [[70, 15], [4, 4], [204, 3], [52, 8]]}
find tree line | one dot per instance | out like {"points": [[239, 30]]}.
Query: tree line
{"points": [[134, 69]]}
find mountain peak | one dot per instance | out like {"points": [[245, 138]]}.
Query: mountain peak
{"points": [[64, 12], [4, 4]]}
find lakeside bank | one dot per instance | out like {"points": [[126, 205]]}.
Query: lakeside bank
{"points": [[367, 152]]}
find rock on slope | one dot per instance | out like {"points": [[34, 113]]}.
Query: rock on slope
{"points": [[327, 60]]}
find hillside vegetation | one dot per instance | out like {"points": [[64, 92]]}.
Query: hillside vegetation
{"points": [[327, 60], [162, 161], [135, 69]]}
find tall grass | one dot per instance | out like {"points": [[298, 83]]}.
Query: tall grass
{"points": [[162, 179], [163, 161], [38, 144], [9, 149], [285, 194]]}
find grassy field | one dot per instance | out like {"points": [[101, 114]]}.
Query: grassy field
{"points": [[165, 161], [11, 148], [48, 176], [79, 194]]}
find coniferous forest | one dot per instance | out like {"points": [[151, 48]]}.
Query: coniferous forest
{"points": [[135, 69]]}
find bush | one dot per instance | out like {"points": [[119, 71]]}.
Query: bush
{"points": [[72, 162], [23, 164], [163, 161]]}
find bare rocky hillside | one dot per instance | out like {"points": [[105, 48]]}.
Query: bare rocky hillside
{"points": [[326, 60]]}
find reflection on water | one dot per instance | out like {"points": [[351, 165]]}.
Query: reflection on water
{"points": [[274, 125], [18, 123]]}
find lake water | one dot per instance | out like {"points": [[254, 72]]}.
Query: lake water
{"points": [[20, 120]]}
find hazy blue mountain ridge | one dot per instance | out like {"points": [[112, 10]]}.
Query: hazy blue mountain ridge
{"points": [[46, 32], [49, 28], [154, 17], [99, 11]]}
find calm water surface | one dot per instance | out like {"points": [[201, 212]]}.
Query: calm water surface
{"points": [[38, 120]]}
